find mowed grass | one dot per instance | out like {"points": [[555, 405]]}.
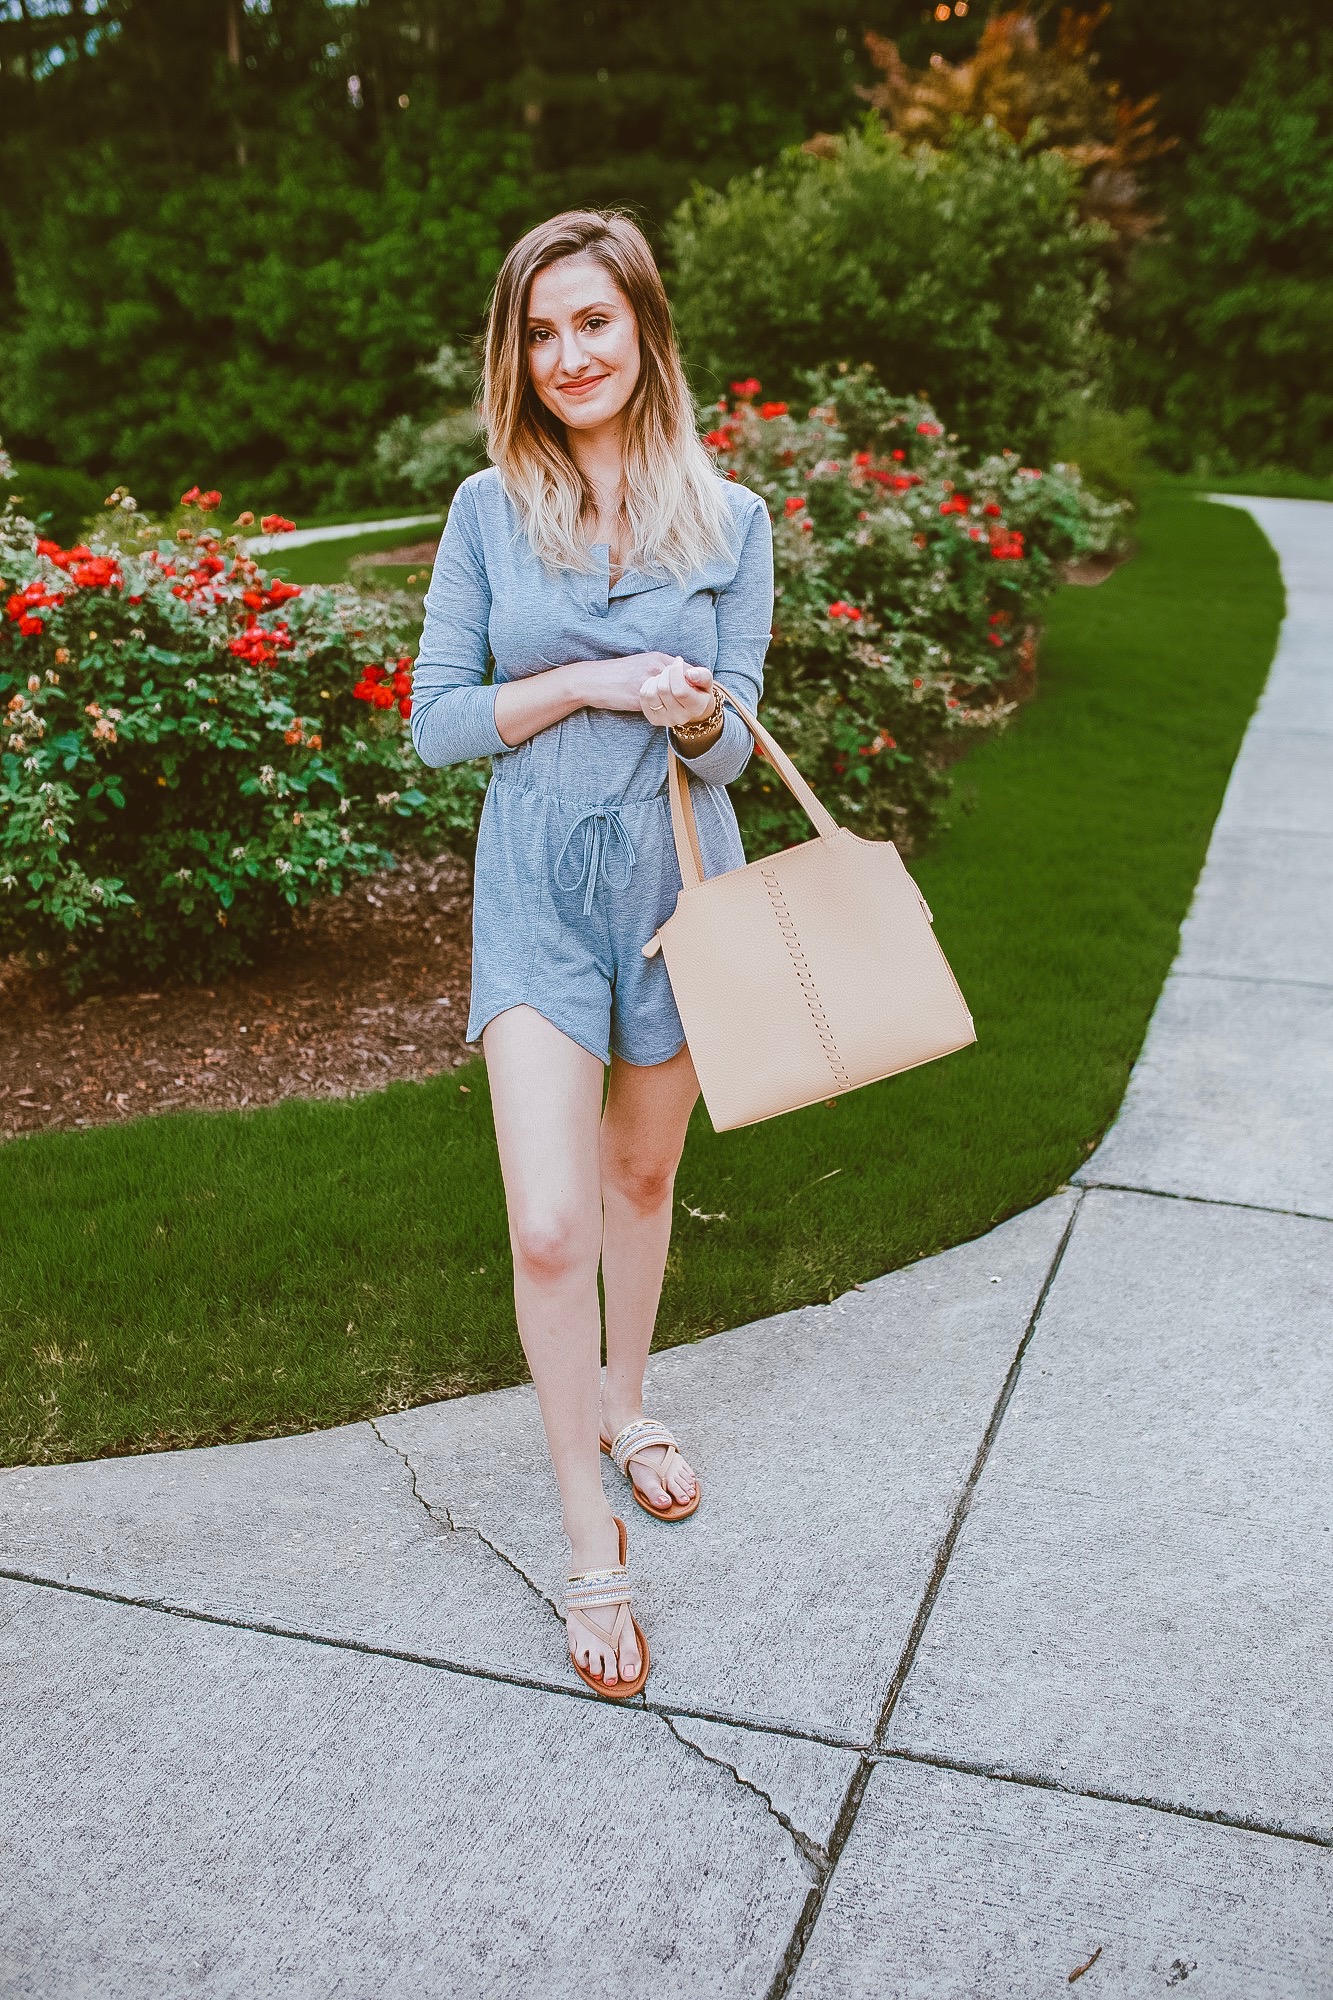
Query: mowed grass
{"points": [[199, 1277], [330, 562]]}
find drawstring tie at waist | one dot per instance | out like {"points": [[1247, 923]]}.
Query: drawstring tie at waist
{"points": [[599, 824]]}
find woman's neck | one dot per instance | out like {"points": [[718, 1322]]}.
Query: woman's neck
{"points": [[599, 457]]}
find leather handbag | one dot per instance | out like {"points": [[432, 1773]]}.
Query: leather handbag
{"points": [[808, 973]]}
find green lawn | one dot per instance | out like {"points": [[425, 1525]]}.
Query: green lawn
{"points": [[329, 562], [201, 1277]]}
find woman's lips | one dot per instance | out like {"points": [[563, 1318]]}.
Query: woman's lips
{"points": [[581, 387]]}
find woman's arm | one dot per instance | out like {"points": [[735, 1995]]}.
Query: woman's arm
{"points": [[453, 711], [744, 628], [456, 713]]}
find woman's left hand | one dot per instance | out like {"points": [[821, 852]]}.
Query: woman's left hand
{"points": [[678, 695]]}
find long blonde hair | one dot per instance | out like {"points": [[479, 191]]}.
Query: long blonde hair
{"points": [[673, 505]]}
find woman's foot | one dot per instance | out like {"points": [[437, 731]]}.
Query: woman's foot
{"points": [[597, 1547], [676, 1488]]}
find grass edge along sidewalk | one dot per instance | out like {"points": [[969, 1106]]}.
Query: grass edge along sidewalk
{"points": [[204, 1277]]}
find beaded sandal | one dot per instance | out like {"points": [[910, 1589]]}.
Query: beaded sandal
{"points": [[644, 1434], [601, 1589]]}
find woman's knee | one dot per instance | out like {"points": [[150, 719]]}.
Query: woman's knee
{"points": [[552, 1243], [645, 1185]]}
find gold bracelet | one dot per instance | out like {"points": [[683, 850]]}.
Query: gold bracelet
{"points": [[690, 732]]}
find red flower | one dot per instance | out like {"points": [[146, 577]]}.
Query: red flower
{"points": [[372, 674], [794, 502], [405, 705], [192, 498], [208, 501], [282, 593], [719, 440], [926, 429], [29, 625], [749, 387], [996, 638], [45, 548], [958, 505], [770, 410], [863, 457], [991, 509], [899, 455], [272, 524], [841, 610], [383, 697]]}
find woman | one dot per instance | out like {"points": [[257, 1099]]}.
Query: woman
{"points": [[612, 575]]}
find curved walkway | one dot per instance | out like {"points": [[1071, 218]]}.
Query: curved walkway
{"points": [[998, 1649]]}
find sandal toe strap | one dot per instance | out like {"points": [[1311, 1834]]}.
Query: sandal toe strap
{"points": [[597, 1589], [642, 1435]]}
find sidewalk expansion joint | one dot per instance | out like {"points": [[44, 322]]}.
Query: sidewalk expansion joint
{"points": [[1034, 1781], [434, 1514], [1205, 1200], [809, 1851], [851, 1806], [434, 1662], [1253, 979]]}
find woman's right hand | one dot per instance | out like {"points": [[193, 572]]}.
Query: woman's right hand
{"points": [[615, 684]]}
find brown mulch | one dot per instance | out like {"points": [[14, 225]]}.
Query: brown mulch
{"points": [[370, 987], [414, 552]]}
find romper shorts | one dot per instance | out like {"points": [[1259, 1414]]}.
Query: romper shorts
{"points": [[567, 894]]}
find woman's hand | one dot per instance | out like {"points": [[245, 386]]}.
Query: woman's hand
{"points": [[659, 685], [676, 694]]}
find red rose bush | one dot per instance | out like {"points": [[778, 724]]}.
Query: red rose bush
{"points": [[192, 748], [910, 579]]}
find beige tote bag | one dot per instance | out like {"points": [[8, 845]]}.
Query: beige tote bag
{"points": [[806, 974]]}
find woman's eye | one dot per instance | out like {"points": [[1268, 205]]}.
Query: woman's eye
{"points": [[591, 325]]}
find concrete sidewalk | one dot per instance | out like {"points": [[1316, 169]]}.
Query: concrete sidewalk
{"points": [[1021, 1666]]}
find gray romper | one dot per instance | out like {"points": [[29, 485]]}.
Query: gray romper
{"points": [[576, 866]]}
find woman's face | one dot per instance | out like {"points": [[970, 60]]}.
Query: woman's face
{"points": [[583, 343]]}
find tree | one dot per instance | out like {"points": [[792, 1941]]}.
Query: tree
{"points": [[1043, 92], [1227, 324]]}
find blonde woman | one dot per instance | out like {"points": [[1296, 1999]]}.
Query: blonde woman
{"points": [[614, 578]]}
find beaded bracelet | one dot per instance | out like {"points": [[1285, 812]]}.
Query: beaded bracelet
{"points": [[691, 732]]}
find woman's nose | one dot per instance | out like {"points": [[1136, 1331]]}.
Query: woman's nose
{"points": [[572, 358]]}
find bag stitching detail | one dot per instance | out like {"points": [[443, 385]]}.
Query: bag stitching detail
{"points": [[803, 973]]}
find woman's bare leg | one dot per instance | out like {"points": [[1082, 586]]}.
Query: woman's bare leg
{"points": [[546, 1096], [643, 1135]]}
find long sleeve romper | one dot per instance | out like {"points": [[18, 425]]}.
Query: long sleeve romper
{"points": [[576, 867]]}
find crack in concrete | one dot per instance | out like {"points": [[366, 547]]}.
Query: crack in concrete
{"points": [[442, 1509], [856, 1790], [810, 1852]]}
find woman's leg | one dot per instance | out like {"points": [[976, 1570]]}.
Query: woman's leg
{"points": [[546, 1095], [643, 1135]]}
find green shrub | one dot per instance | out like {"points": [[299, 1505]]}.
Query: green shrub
{"points": [[909, 580], [431, 458], [267, 321], [58, 498], [1228, 324], [1109, 447], [963, 273], [192, 748]]}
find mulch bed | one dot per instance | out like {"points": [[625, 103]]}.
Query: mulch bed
{"points": [[369, 987]]}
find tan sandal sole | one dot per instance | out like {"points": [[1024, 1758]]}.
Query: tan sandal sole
{"points": [[679, 1510], [623, 1690]]}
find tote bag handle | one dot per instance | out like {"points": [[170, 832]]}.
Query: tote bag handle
{"points": [[683, 824]]}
